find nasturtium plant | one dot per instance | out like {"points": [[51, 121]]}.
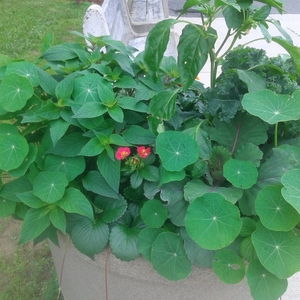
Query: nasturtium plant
{"points": [[132, 153]]}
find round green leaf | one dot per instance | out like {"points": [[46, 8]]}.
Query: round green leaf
{"points": [[154, 213], [6, 207], [263, 284], [242, 174], [24, 69], [291, 190], [13, 150], [177, 150], [169, 258], [146, 239], [14, 92], [71, 166], [50, 186], [229, 267], [274, 212], [90, 237], [212, 222], [279, 252], [271, 107]]}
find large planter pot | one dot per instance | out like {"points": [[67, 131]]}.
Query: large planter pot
{"points": [[84, 279]]}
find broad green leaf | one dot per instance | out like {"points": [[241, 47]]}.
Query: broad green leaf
{"points": [[149, 173], [271, 107], [292, 50], [116, 113], [29, 159], [294, 152], [74, 201], [65, 87], [291, 189], [60, 52], [229, 267], [14, 92], [57, 130], [35, 222], [263, 284], [8, 129], [139, 136], [242, 174], [249, 152], [277, 251], [212, 222], [248, 226], [96, 183], [90, 110], [146, 239], [24, 69], [193, 52], [274, 212], [177, 150], [169, 258], [233, 15], [31, 200], [58, 218], [274, 3], [85, 88], [168, 176], [6, 207], [106, 95], [13, 151], [156, 44], [90, 237], [247, 250], [136, 179], [110, 209], [262, 13], [110, 170], [50, 186], [47, 82], [197, 188], [254, 81], [154, 213], [92, 148], [162, 105], [71, 166], [243, 129]]}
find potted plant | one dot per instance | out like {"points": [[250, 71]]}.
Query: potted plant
{"points": [[135, 154]]}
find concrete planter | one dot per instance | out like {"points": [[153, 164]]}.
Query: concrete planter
{"points": [[82, 278]]}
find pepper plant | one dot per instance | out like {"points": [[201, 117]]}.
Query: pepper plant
{"points": [[134, 153]]}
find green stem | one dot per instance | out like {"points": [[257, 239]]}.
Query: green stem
{"points": [[276, 136]]}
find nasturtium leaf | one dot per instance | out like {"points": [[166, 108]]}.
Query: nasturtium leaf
{"points": [[50, 186], [145, 240], [242, 174], [277, 251], [73, 201], [177, 150], [13, 151], [212, 222], [6, 207], [169, 258], [167, 176], [58, 218], [8, 129], [274, 212], [263, 284], [271, 107], [25, 69], [110, 209], [291, 189], [29, 159], [85, 88], [35, 222], [154, 213], [229, 267], [198, 256], [294, 152], [249, 152], [90, 237], [71, 166], [15, 90]]}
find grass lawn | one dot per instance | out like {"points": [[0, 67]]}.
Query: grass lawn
{"points": [[23, 24], [27, 272]]}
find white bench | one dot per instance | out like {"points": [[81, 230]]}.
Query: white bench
{"points": [[122, 21]]}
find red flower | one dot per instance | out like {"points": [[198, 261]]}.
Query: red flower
{"points": [[143, 152], [122, 152]]}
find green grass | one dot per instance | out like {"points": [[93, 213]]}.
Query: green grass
{"points": [[23, 25]]}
